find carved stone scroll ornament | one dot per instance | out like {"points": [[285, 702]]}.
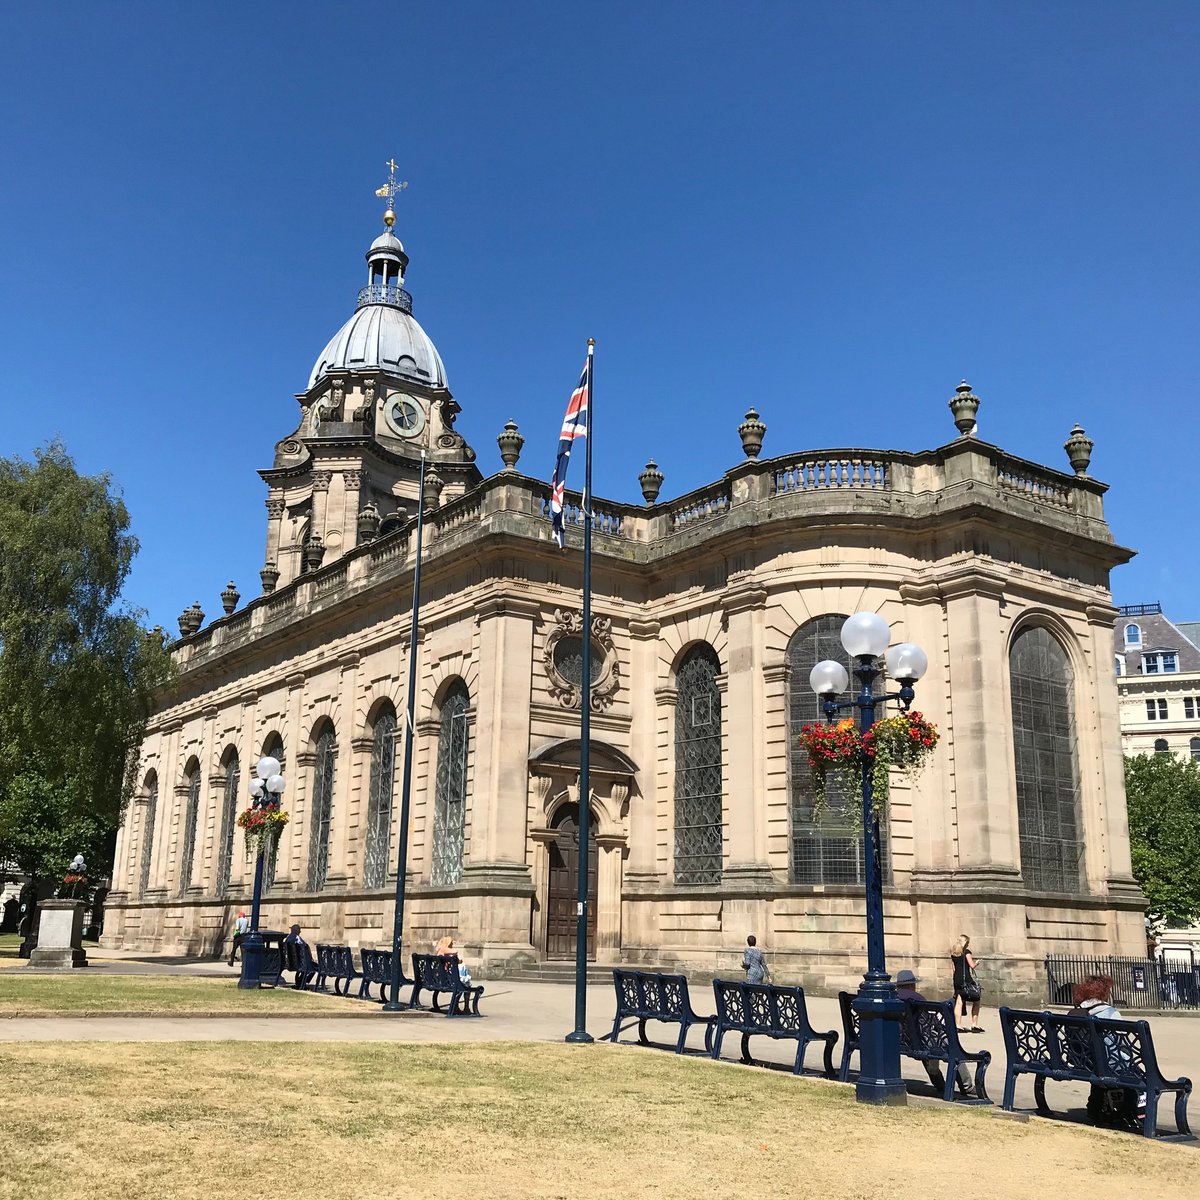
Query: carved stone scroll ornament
{"points": [[563, 661]]}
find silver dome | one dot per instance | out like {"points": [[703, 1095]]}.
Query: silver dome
{"points": [[384, 337]]}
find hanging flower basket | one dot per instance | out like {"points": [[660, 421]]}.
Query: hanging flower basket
{"points": [[263, 825], [905, 741], [74, 887]]}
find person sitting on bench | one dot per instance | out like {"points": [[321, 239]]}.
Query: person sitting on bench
{"points": [[306, 967], [906, 989]]}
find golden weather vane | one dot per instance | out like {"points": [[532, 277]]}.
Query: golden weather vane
{"points": [[391, 190]]}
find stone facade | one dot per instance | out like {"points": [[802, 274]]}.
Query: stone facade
{"points": [[703, 608]]}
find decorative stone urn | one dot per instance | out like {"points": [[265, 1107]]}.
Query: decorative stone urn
{"points": [[314, 552], [368, 523], [651, 480], [60, 936], [230, 597], [190, 620], [270, 577], [964, 405], [1079, 450], [510, 443], [751, 431], [433, 489]]}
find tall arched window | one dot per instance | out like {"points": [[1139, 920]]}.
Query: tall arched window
{"points": [[148, 819], [229, 813], [1194, 747], [321, 809], [829, 850], [450, 799], [1047, 760], [1161, 747], [191, 815], [699, 786], [273, 748], [379, 807]]}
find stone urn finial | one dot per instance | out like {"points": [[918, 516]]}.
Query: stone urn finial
{"points": [[270, 577], [510, 443], [433, 489], [964, 404], [651, 480], [314, 551], [751, 431], [368, 523], [190, 620], [1079, 450], [230, 597]]}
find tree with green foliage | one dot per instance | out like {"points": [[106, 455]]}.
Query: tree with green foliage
{"points": [[1164, 834], [78, 672]]}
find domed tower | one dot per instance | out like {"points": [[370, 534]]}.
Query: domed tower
{"points": [[376, 398]]}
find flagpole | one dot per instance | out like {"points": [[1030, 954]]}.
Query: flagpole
{"points": [[394, 1004], [580, 1033]]}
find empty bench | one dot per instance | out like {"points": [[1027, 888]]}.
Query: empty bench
{"points": [[654, 996], [377, 969], [1103, 1053], [769, 1010], [336, 963], [438, 973], [929, 1034]]}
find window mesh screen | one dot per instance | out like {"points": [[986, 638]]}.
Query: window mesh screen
{"points": [[698, 781], [274, 749], [233, 778], [148, 834], [450, 800], [831, 850], [190, 817], [379, 812], [1046, 754], [322, 808]]}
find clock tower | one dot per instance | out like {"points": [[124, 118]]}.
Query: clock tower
{"points": [[376, 400]]}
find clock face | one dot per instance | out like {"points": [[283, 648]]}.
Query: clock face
{"points": [[404, 416]]}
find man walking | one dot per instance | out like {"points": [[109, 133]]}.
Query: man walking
{"points": [[241, 927]]}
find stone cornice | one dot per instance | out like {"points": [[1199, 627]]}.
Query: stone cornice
{"points": [[506, 606], [745, 597]]}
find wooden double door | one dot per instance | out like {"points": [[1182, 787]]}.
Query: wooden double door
{"points": [[563, 897]]}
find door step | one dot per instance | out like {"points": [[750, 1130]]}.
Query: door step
{"points": [[558, 972]]}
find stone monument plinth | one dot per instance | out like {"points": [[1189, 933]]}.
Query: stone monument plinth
{"points": [[60, 936]]}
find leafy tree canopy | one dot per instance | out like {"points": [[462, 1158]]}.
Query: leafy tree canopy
{"points": [[78, 672], [1164, 833]]}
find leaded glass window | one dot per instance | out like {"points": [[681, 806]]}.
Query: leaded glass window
{"points": [[379, 808], [1047, 761], [829, 851], [322, 809], [191, 816], [450, 800], [273, 749], [148, 820], [699, 788], [233, 778]]}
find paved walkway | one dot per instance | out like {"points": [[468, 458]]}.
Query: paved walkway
{"points": [[518, 1011]]}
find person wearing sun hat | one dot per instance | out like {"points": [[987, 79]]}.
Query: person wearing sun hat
{"points": [[906, 989]]}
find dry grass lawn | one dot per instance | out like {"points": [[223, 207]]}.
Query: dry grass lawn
{"points": [[347, 1120], [83, 991]]}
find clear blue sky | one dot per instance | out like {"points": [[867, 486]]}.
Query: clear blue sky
{"points": [[830, 212]]}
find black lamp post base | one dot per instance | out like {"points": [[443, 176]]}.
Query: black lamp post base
{"points": [[579, 1037], [253, 947], [394, 1006], [880, 1012]]}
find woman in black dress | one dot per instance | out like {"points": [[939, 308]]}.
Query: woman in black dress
{"points": [[966, 988]]}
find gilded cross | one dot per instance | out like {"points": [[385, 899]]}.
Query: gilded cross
{"points": [[392, 187]]}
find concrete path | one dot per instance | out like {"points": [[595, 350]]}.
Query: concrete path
{"points": [[519, 1011]]}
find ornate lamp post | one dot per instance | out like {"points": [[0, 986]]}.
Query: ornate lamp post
{"points": [[266, 791], [865, 637]]}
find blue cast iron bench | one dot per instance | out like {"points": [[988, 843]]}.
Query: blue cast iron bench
{"points": [[770, 1010], [929, 1034], [654, 996], [377, 969], [438, 973], [336, 963], [1106, 1054]]}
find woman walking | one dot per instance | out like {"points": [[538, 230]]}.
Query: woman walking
{"points": [[966, 987], [754, 964]]}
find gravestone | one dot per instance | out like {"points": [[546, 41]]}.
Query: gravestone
{"points": [[60, 936]]}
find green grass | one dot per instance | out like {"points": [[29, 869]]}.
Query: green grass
{"points": [[83, 991], [9, 944], [202, 1121]]}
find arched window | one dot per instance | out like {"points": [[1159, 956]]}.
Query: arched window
{"points": [[450, 799], [1194, 747], [1133, 635], [1120, 665], [273, 748], [1161, 747], [829, 850], [322, 807], [148, 819], [191, 815], [229, 814], [379, 808], [1047, 761], [699, 786]]}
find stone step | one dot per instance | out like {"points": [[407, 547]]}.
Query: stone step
{"points": [[558, 972]]}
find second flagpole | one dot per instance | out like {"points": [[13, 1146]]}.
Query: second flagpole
{"points": [[580, 1033]]}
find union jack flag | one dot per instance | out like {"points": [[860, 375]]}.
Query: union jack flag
{"points": [[574, 425]]}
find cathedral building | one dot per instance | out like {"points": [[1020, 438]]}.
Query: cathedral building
{"points": [[709, 611]]}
